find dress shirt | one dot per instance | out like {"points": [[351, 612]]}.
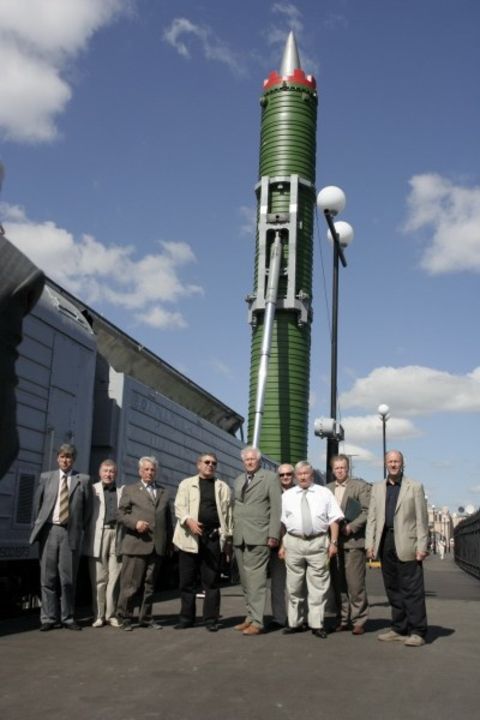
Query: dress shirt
{"points": [[150, 488], [340, 491], [56, 509], [324, 509], [393, 491]]}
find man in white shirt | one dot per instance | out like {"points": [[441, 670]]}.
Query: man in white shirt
{"points": [[310, 522]]}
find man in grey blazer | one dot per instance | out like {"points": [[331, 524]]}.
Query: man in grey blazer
{"points": [[102, 546], [62, 509], [397, 532], [144, 511], [347, 569], [256, 529]]}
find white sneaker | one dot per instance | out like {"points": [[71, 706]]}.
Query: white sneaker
{"points": [[414, 641], [114, 622], [391, 636], [98, 623]]}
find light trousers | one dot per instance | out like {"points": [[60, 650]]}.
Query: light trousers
{"points": [[308, 578], [104, 577]]}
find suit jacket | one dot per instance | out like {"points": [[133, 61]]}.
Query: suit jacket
{"points": [[136, 504], [256, 515], [358, 490], [80, 505], [410, 520], [92, 542], [187, 505]]}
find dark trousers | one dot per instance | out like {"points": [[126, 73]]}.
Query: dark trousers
{"points": [[405, 589], [138, 576], [205, 563]]}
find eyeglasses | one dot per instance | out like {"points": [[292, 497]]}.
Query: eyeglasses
{"points": [[285, 474], [210, 462]]}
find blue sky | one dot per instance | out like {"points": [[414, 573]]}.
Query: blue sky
{"points": [[130, 130]]}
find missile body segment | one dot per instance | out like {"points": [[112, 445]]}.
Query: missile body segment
{"points": [[285, 205]]}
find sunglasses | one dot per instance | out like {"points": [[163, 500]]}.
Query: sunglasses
{"points": [[210, 462], [285, 474]]}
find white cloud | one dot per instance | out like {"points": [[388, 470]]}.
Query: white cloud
{"points": [[368, 428], [112, 273], [474, 489], [358, 454], [292, 14], [162, 319], [38, 38], [415, 390], [213, 48], [450, 214]]}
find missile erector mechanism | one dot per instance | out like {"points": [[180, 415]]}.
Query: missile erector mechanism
{"points": [[280, 305]]}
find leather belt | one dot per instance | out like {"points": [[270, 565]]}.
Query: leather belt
{"points": [[305, 537]]}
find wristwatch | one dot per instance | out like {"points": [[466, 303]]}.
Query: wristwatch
{"points": [[334, 542]]}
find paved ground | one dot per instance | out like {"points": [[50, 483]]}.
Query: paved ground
{"points": [[194, 675]]}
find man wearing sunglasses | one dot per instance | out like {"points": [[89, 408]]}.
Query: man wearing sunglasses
{"points": [[204, 528], [278, 573]]}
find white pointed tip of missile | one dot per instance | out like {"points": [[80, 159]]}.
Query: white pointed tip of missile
{"points": [[291, 58]]}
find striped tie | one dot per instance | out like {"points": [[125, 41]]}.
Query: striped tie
{"points": [[64, 509]]}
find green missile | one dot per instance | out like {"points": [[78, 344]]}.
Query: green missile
{"points": [[280, 349]]}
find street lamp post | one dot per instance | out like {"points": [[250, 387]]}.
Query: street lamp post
{"points": [[331, 200], [384, 413]]}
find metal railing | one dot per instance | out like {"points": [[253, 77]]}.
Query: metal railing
{"points": [[467, 544]]}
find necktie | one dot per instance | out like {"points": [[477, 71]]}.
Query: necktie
{"points": [[248, 479], [151, 492], [64, 509], [306, 515]]}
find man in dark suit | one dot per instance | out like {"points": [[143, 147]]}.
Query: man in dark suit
{"points": [[347, 569], [397, 532], [62, 509], [144, 512], [256, 529]]}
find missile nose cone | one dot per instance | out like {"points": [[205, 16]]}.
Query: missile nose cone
{"points": [[291, 58]]}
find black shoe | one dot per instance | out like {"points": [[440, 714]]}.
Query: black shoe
{"points": [[45, 627], [290, 630], [213, 626], [127, 626], [152, 624], [183, 625], [275, 625], [72, 626], [320, 632]]}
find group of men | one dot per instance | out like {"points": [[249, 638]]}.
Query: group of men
{"points": [[313, 540]]}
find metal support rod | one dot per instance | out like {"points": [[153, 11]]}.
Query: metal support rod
{"points": [[384, 435], [270, 307], [332, 443]]}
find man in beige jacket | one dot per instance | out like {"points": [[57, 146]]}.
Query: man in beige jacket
{"points": [[397, 533], [204, 527]]}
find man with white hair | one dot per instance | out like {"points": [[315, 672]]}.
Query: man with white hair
{"points": [[256, 529], [144, 511]]}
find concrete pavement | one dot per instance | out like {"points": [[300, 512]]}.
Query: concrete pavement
{"points": [[108, 674]]}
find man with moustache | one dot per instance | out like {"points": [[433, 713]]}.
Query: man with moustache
{"points": [[203, 510], [102, 546]]}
